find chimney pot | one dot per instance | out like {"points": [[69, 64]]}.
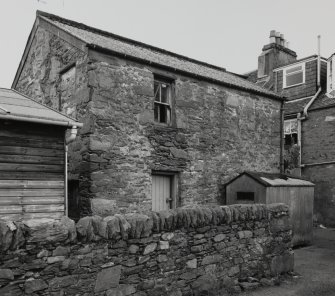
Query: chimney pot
{"points": [[278, 37]]}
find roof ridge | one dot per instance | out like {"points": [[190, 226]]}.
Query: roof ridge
{"points": [[53, 109], [122, 38]]}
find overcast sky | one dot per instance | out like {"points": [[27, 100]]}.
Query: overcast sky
{"points": [[227, 33]]}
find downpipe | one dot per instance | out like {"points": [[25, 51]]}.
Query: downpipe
{"points": [[68, 140]]}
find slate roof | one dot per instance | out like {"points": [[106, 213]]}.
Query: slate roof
{"points": [[275, 180], [296, 106], [322, 101], [16, 106], [99, 39]]}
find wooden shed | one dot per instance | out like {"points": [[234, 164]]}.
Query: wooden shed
{"points": [[33, 158], [298, 194]]}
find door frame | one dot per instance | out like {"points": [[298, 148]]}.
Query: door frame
{"points": [[174, 177]]}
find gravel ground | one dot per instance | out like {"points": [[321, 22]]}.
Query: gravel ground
{"points": [[315, 267]]}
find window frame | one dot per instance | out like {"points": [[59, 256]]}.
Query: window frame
{"points": [[303, 70], [292, 131], [168, 104], [245, 196]]}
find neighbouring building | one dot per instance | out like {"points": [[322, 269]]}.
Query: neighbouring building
{"points": [[309, 138], [160, 131], [33, 139]]}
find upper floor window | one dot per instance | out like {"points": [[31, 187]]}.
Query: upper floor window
{"points": [[294, 75], [291, 132], [162, 104]]}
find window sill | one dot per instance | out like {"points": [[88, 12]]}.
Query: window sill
{"points": [[294, 85]]}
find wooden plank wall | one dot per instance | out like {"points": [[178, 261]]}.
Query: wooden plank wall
{"points": [[300, 201], [244, 184], [31, 171]]}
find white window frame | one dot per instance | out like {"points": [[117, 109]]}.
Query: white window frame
{"points": [[168, 105], [294, 66]]}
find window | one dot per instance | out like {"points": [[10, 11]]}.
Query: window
{"points": [[67, 90], [245, 196], [294, 75], [291, 132], [162, 104]]}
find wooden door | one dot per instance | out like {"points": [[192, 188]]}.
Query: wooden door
{"points": [[161, 192]]}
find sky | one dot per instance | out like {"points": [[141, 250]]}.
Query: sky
{"points": [[226, 33]]}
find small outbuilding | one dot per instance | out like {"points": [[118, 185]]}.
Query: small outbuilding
{"points": [[33, 158], [298, 194]]}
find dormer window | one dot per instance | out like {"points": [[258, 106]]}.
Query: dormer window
{"points": [[294, 75]]}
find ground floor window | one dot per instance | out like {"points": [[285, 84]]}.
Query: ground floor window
{"points": [[164, 190]]}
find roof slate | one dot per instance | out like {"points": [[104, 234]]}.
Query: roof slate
{"points": [[150, 54], [20, 107], [296, 106]]}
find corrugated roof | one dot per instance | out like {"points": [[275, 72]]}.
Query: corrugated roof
{"points": [[131, 48], [275, 179], [16, 106]]}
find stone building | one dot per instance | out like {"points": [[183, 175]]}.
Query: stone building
{"points": [[161, 130], [309, 138]]}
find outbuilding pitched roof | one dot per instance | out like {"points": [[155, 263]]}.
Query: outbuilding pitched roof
{"points": [[16, 106], [98, 39], [274, 179]]}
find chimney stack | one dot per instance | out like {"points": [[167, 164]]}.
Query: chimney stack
{"points": [[274, 54]]}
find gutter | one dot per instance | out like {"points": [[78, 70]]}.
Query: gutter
{"points": [[317, 163], [39, 120]]}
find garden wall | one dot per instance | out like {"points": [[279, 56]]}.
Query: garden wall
{"points": [[187, 251]]}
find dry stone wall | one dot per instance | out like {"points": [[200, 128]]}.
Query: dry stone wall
{"points": [[188, 251]]}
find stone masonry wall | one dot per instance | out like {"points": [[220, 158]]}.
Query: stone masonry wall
{"points": [[318, 145], [216, 131], [187, 251]]}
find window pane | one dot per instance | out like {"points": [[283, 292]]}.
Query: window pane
{"points": [[294, 126], [245, 196], [157, 91], [287, 127], [294, 69], [156, 111], [162, 113], [168, 115], [165, 93], [294, 79]]}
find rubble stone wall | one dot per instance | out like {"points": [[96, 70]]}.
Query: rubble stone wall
{"points": [[188, 251], [216, 131]]}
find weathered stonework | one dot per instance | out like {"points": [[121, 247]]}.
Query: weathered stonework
{"points": [[189, 251], [216, 131]]}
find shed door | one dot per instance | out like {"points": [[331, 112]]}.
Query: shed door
{"points": [[161, 192]]}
